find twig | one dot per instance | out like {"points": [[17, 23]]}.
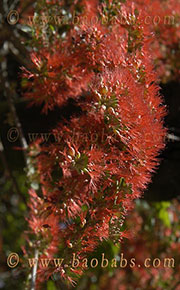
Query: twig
{"points": [[9, 92], [34, 270], [173, 137]]}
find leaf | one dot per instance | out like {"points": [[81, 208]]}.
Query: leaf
{"points": [[81, 163], [51, 285]]}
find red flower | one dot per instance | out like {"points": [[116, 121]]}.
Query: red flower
{"points": [[88, 187]]}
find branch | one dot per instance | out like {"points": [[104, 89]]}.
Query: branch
{"points": [[23, 141]]}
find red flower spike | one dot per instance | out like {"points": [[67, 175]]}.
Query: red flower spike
{"points": [[89, 179]]}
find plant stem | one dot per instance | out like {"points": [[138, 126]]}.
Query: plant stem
{"points": [[34, 271]]}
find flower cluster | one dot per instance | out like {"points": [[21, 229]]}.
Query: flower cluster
{"points": [[86, 189]]}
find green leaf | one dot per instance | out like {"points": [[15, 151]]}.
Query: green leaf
{"points": [[51, 285], [162, 212], [164, 216], [81, 163]]}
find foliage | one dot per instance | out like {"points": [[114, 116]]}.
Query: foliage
{"points": [[152, 239]]}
